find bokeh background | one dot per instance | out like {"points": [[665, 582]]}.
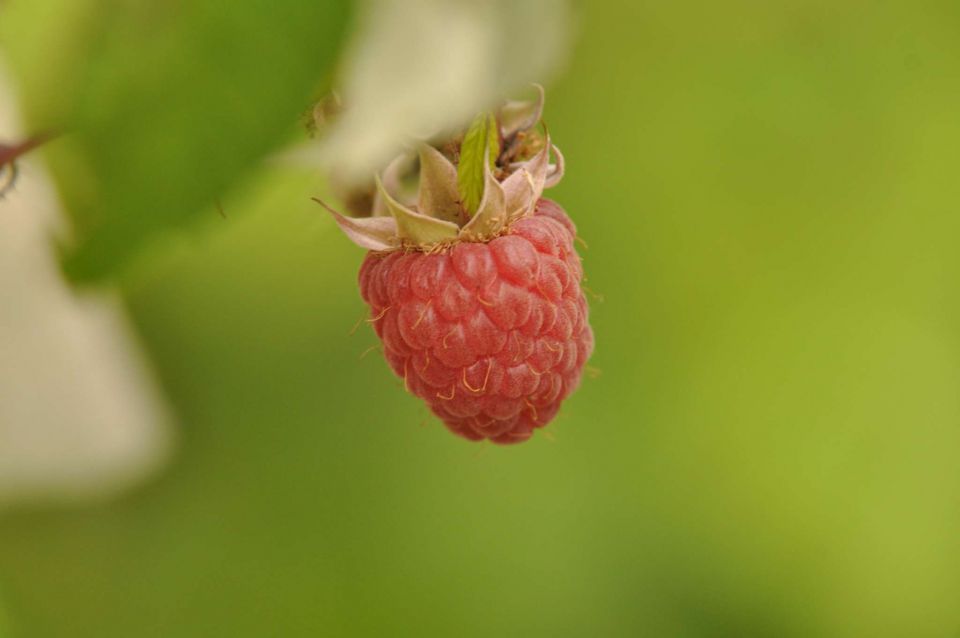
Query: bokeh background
{"points": [[769, 194]]}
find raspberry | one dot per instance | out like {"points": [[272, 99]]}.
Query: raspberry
{"points": [[475, 290], [492, 336]]}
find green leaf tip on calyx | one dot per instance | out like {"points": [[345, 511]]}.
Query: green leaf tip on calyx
{"points": [[480, 147], [491, 215]]}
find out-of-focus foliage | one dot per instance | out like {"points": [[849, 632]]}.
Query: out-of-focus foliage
{"points": [[769, 198], [80, 418], [165, 104]]}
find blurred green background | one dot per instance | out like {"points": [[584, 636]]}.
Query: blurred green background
{"points": [[769, 195]]}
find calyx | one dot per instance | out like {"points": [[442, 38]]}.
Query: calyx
{"points": [[512, 183]]}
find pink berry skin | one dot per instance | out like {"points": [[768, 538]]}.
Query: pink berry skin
{"points": [[493, 335]]}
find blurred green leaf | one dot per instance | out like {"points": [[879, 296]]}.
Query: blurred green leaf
{"points": [[479, 143], [167, 104]]}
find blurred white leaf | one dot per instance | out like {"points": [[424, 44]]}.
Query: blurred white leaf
{"points": [[80, 416], [418, 67]]}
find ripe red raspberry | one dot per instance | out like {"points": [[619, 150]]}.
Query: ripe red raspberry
{"points": [[475, 288], [493, 336]]}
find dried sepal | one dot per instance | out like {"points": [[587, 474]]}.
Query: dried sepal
{"points": [[392, 177], [372, 233], [525, 184], [517, 115], [414, 228], [438, 196], [555, 172]]}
